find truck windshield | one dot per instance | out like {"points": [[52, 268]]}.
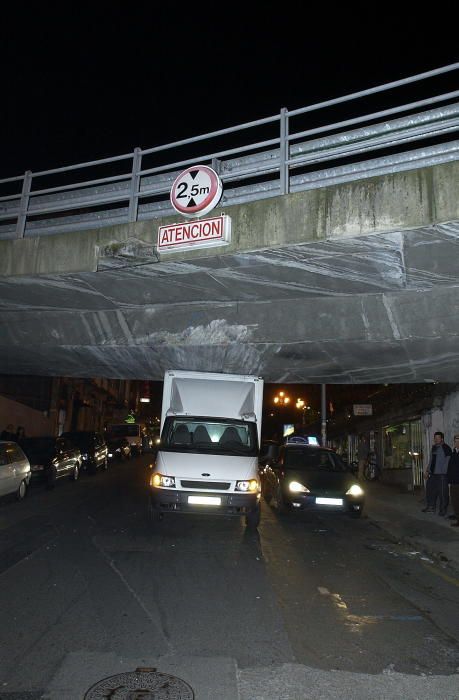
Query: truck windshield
{"points": [[212, 435]]}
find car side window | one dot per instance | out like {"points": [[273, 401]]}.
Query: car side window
{"points": [[3, 457], [60, 445], [338, 464]]}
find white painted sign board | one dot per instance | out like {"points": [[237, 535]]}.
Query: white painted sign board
{"points": [[363, 409], [204, 233]]}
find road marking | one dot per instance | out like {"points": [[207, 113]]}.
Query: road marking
{"points": [[357, 621], [445, 577]]}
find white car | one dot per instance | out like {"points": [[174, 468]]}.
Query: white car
{"points": [[14, 470]]}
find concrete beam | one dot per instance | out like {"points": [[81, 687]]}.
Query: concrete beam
{"points": [[392, 202]]}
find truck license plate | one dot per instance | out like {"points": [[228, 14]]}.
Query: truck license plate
{"points": [[205, 500]]}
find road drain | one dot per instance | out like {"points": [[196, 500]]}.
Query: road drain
{"points": [[141, 684]]}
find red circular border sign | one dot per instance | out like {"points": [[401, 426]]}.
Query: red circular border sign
{"points": [[210, 201]]}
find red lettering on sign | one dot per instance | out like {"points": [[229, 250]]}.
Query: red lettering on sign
{"points": [[165, 237], [192, 233]]}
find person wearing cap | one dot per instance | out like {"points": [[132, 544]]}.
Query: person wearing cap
{"points": [[453, 480]]}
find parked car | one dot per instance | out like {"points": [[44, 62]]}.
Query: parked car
{"points": [[52, 458], [15, 472], [93, 448], [306, 477], [132, 432], [118, 448]]}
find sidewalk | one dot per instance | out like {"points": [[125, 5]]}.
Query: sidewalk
{"points": [[400, 514]]}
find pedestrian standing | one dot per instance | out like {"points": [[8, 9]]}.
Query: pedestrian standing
{"points": [[362, 456], [8, 433], [436, 475], [453, 480], [20, 433]]}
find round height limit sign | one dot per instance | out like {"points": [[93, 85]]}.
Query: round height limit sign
{"points": [[196, 191]]}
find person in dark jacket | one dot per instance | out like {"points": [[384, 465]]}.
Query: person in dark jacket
{"points": [[8, 433], [453, 480], [436, 476]]}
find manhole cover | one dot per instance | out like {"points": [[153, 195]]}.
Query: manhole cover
{"points": [[141, 684]]}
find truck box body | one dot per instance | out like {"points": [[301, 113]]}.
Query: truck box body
{"points": [[212, 394], [207, 460]]}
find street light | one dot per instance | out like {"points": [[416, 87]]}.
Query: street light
{"points": [[282, 399], [301, 406]]}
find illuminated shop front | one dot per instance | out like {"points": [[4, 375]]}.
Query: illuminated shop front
{"points": [[402, 448]]}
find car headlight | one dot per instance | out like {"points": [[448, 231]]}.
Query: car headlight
{"points": [[161, 481], [296, 487], [249, 486], [110, 454], [355, 490]]}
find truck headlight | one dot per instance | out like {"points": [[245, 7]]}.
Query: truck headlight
{"points": [[161, 481], [355, 490], [296, 487], [249, 486]]}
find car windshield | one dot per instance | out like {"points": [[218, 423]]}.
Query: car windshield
{"points": [[216, 436], [312, 460], [38, 445]]}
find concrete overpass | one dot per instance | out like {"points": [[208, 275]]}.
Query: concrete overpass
{"points": [[351, 282]]}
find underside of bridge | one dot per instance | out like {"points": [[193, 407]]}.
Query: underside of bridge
{"points": [[375, 307], [372, 309]]}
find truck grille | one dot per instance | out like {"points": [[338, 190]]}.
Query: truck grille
{"points": [[204, 485]]}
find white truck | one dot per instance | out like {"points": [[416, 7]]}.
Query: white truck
{"points": [[207, 460]]}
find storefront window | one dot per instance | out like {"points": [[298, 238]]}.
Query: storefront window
{"points": [[402, 448]]}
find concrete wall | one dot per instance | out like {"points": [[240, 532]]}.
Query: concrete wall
{"points": [[34, 422], [386, 203]]}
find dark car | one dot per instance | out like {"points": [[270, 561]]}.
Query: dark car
{"points": [[93, 448], [306, 477], [118, 448], [52, 458]]}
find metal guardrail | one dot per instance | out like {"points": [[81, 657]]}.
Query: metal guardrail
{"points": [[261, 168]]}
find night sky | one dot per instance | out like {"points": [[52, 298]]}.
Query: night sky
{"points": [[82, 81]]}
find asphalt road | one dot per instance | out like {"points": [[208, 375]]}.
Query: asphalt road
{"points": [[82, 571]]}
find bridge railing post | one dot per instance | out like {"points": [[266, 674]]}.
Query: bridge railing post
{"points": [[217, 165], [284, 152], [135, 185], [24, 204]]}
